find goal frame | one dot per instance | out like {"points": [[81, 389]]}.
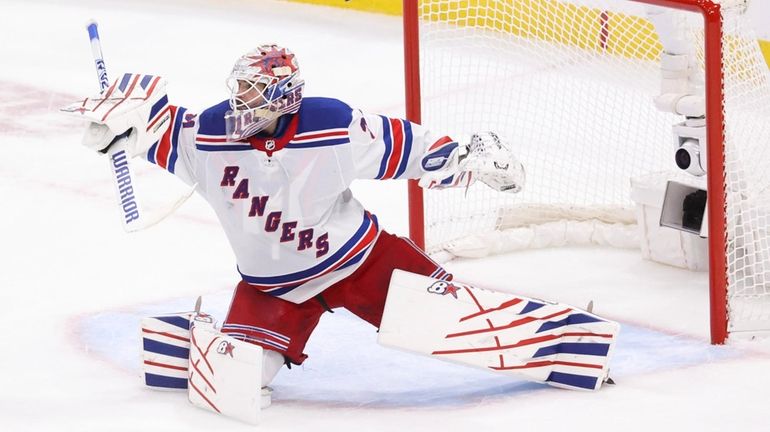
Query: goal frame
{"points": [[715, 132]]}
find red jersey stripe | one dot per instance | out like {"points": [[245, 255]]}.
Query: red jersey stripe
{"points": [[398, 148], [317, 136], [164, 146], [200, 138]]}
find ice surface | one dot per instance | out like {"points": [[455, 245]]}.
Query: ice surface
{"points": [[74, 286]]}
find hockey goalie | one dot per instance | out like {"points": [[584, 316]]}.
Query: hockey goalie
{"points": [[276, 168]]}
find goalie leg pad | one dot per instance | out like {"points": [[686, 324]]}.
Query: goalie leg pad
{"points": [[541, 341], [165, 350], [225, 374]]}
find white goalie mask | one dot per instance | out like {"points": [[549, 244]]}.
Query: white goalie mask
{"points": [[264, 85]]}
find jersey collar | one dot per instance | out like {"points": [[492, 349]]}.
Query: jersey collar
{"points": [[271, 145]]}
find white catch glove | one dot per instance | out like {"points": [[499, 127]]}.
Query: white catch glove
{"points": [[134, 105], [486, 159], [492, 162]]}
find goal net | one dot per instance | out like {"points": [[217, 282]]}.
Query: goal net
{"points": [[571, 85]]}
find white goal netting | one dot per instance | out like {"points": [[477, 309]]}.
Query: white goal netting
{"points": [[571, 85]]}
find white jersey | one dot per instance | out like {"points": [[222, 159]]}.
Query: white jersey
{"points": [[284, 201]]}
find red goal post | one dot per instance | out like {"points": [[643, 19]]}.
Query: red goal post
{"points": [[711, 12]]}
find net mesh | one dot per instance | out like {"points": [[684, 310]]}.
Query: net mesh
{"points": [[571, 85]]}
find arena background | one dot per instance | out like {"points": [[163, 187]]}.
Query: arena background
{"points": [[759, 11]]}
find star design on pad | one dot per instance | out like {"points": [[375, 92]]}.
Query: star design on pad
{"points": [[451, 289], [229, 349]]}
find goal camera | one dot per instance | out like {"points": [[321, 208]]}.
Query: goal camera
{"points": [[690, 146], [689, 157]]}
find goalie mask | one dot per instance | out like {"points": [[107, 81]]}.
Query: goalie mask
{"points": [[264, 85]]}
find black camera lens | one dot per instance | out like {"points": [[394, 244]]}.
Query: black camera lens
{"points": [[682, 158]]}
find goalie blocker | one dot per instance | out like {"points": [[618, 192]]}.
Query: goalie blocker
{"points": [[541, 341]]}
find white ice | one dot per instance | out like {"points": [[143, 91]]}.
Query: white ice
{"points": [[73, 286]]}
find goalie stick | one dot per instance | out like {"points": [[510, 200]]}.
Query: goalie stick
{"points": [[125, 187], [133, 217]]}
